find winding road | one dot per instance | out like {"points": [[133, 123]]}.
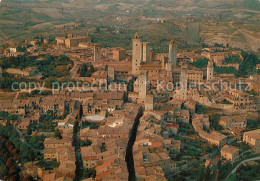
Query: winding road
{"points": [[243, 162]]}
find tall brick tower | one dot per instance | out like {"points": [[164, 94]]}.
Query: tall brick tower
{"points": [[173, 52], [210, 70], [183, 82], [137, 54]]}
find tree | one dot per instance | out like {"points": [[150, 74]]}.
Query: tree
{"points": [[88, 142], [57, 133], [4, 114], [3, 170], [81, 143], [200, 109], [183, 106], [200, 63], [248, 64], [83, 70], [89, 173], [130, 85], [207, 177], [91, 69], [29, 129], [201, 173], [26, 153], [214, 122]]}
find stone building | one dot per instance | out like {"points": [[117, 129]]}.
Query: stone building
{"points": [[194, 76], [119, 54], [253, 139], [75, 40], [97, 55], [230, 153], [240, 99], [232, 122]]}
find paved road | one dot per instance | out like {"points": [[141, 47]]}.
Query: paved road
{"points": [[247, 160]]}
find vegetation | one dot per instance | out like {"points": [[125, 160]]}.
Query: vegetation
{"points": [[45, 124], [253, 124], [87, 142], [9, 156], [85, 70], [26, 152], [200, 63], [38, 92], [35, 142], [214, 122], [46, 65], [223, 170], [186, 128], [6, 115], [89, 173], [248, 172], [225, 101], [248, 65], [57, 134], [48, 165], [225, 70], [200, 109], [86, 124], [231, 59], [7, 80]]}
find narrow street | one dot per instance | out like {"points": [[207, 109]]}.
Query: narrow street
{"points": [[79, 162], [129, 149]]}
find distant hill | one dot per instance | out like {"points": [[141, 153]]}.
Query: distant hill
{"points": [[191, 21]]}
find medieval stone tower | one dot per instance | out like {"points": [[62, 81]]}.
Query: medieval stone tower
{"points": [[111, 73], [137, 54], [183, 82], [97, 55], [173, 52], [142, 80], [146, 51], [149, 102], [210, 70]]}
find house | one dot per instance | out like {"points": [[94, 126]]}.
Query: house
{"points": [[201, 123], [99, 77], [56, 143], [23, 125], [236, 121], [119, 54], [185, 115], [60, 40], [257, 66], [253, 139], [173, 128], [216, 138], [230, 153], [240, 99], [172, 146], [160, 115]]}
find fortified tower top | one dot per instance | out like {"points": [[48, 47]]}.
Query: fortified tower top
{"points": [[172, 41], [136, 36]]}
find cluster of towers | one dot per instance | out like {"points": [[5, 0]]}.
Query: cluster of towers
{"points": [[142, 53]]}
